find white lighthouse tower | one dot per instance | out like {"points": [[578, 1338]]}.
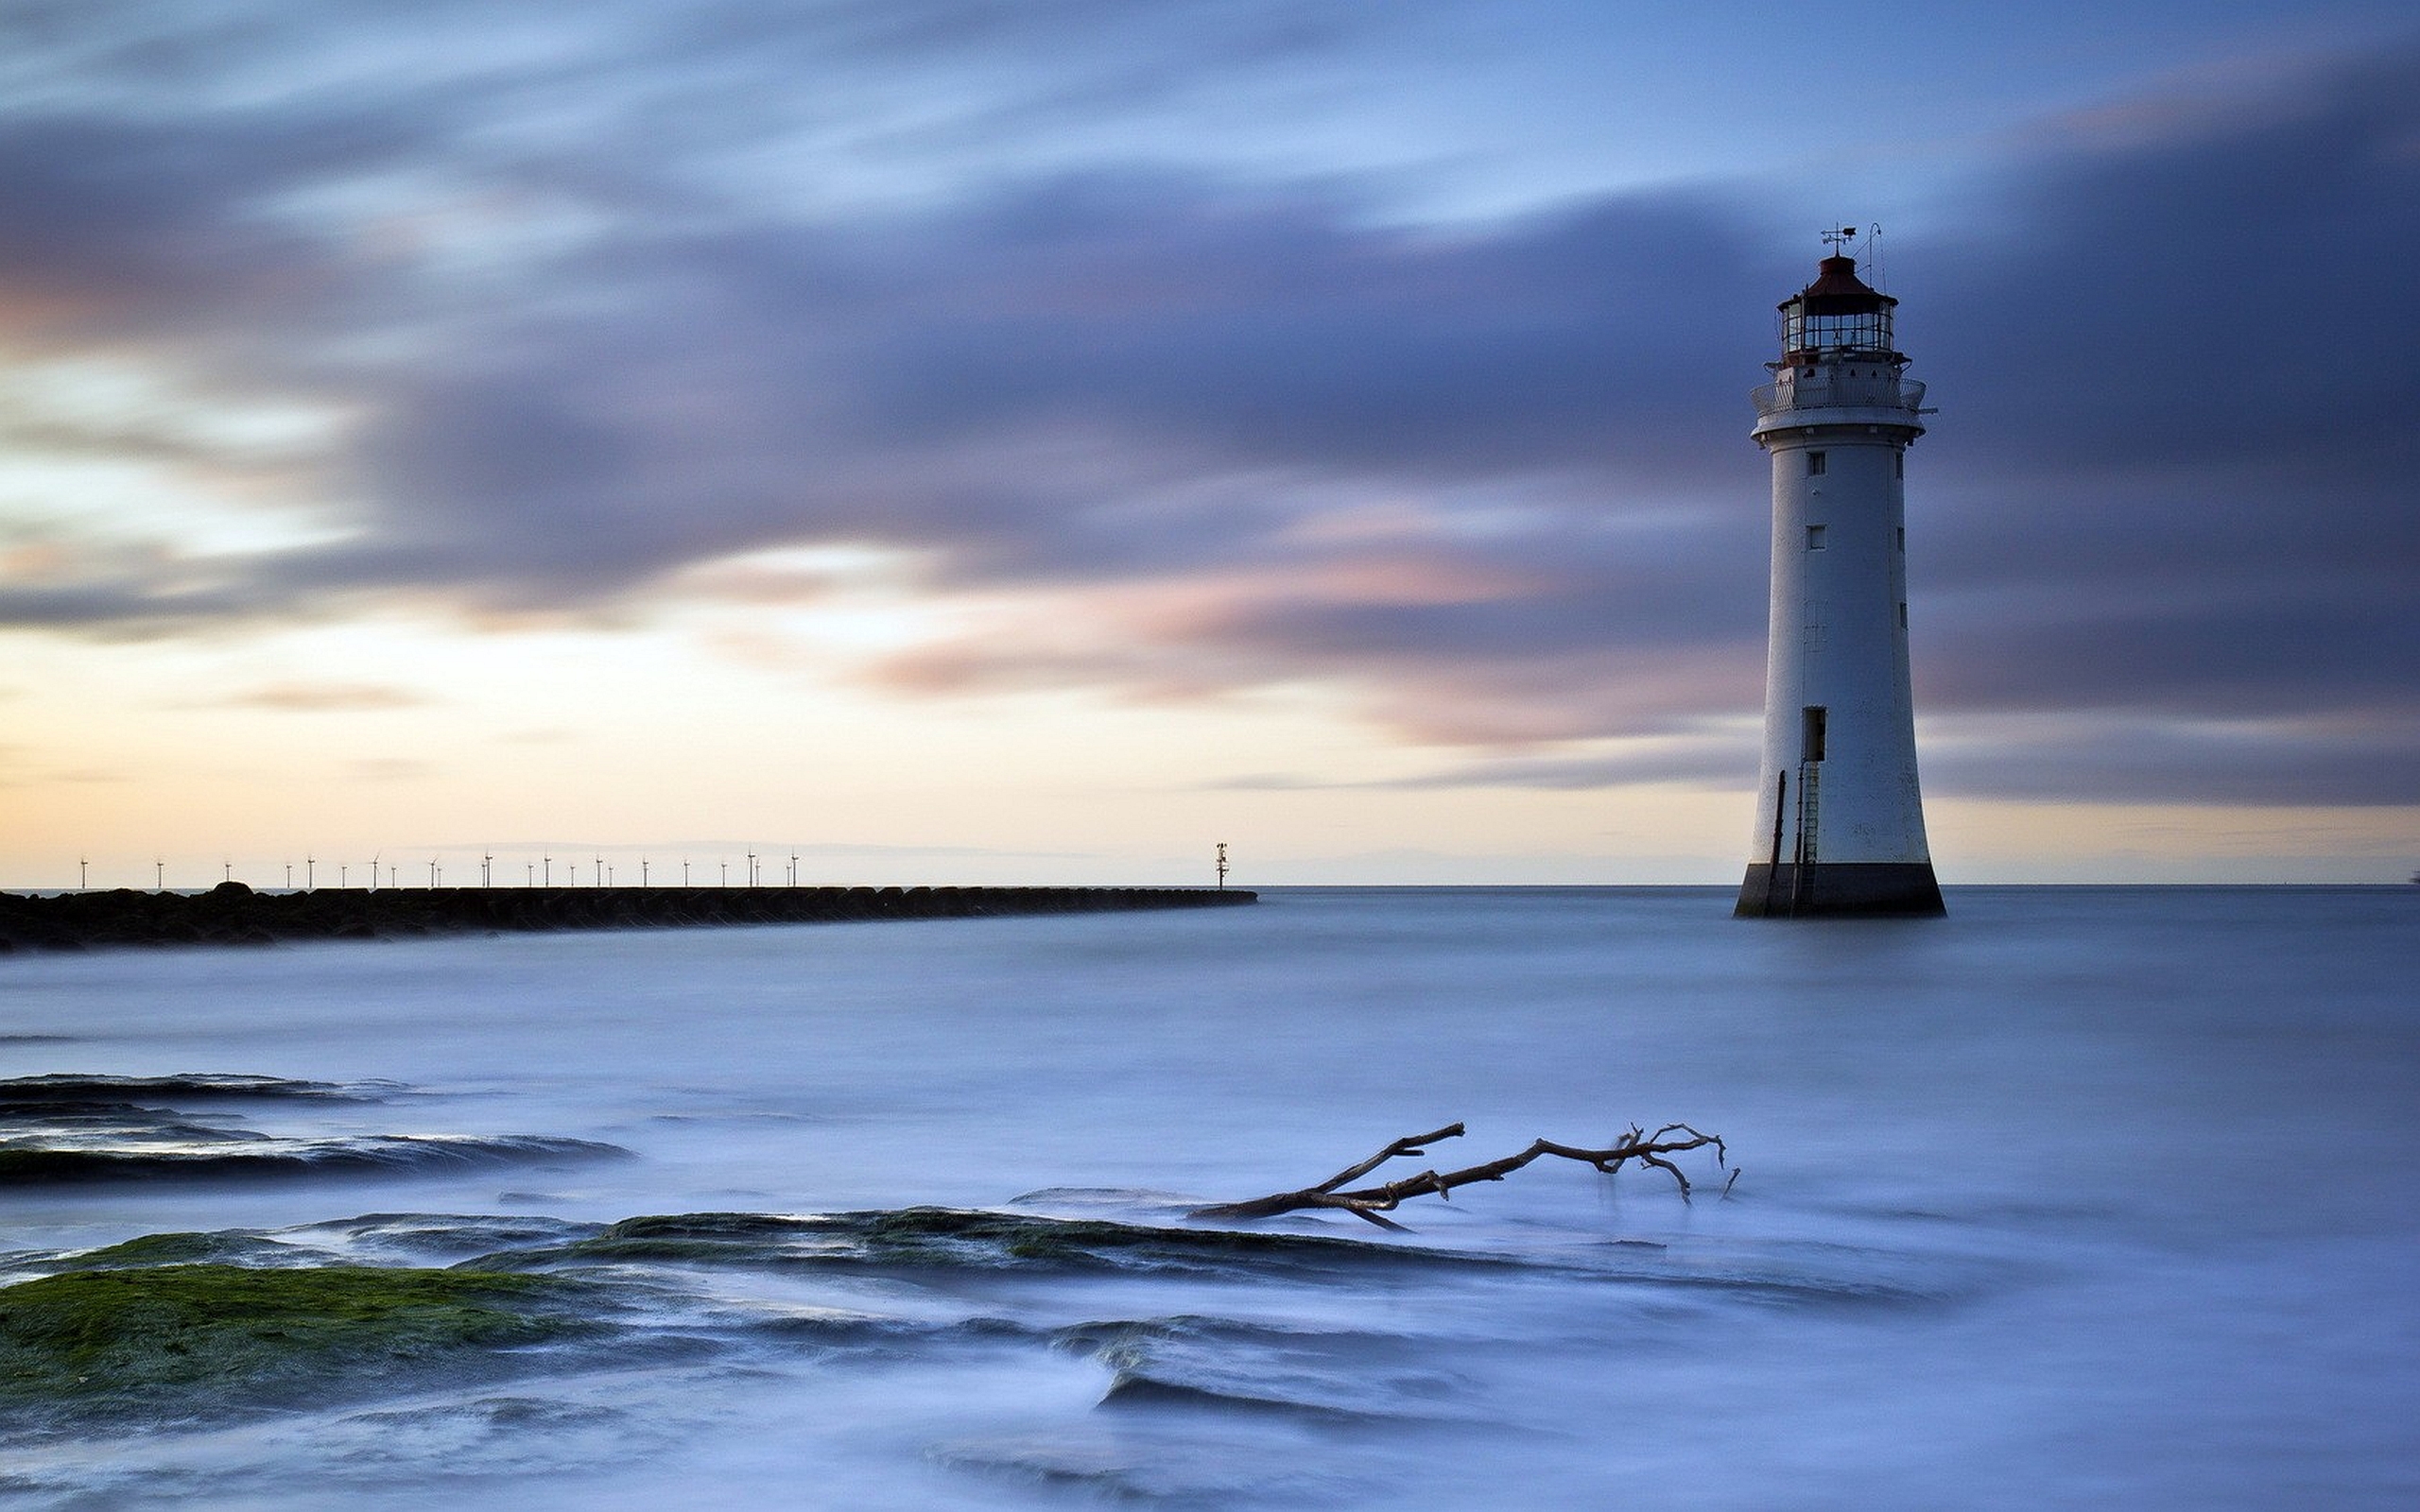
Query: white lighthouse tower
{"points": [[1840, 821]]}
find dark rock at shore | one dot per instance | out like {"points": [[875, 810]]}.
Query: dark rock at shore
{"points": [[233, 914]]}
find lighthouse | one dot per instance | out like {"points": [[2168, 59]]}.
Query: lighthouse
{"points": [[1839, 825]]}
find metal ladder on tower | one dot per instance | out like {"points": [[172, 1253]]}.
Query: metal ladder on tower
{"points": [[1811, 804]]}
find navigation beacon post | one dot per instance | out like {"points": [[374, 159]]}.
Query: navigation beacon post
{"points": [[1839, 820]]}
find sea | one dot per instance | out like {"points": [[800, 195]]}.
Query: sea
{"points": [[2079, 1198]]}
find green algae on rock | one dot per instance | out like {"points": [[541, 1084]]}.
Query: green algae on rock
{"points": [[205, 1340], [232, 1246]]}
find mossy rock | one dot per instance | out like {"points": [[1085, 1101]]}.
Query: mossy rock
{"points": [[208, 1340], [234, 1248]]}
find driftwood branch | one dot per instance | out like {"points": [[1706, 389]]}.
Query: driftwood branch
{"points": [[1371, 1203]]}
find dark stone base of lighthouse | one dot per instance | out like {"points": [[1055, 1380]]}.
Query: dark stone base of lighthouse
{"points": [[1841, 890]]}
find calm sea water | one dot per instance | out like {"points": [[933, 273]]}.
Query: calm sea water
{"points": [[2078, 1197]]}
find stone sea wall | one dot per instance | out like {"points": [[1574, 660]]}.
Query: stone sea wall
{"points": [[233, 914]]}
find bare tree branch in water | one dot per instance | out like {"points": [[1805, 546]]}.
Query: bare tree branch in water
{"points": [[1370, 1203]]}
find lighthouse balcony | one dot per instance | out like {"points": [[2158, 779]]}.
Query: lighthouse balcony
{"points": [[1814, 389]]}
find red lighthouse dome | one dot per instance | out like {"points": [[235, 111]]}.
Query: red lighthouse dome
{"points": [[1838, 318]]}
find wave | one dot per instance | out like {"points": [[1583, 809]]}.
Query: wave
{"points": [[261, 1157], [972, 1242], [62, 1086], [122, 1122], [1134, 1388], [971, 1239], [1194, 1333], [70, 1129], [1345, 1375], [422, 1237]]}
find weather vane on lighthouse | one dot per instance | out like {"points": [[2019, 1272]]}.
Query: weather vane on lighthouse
{"points": [[1840, 819]]}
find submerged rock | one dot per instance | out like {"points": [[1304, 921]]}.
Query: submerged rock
{"points": [[975, 1239], [65, 1129], [68, 1087]]}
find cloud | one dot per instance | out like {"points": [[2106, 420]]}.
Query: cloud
{"points": [[325, 698], [1205, 431], [388, 769], [1697, 762], [2360, 762], [2007, 758], [2174, 418]]}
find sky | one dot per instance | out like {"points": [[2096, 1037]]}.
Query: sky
{"points": [[1036, 440]]}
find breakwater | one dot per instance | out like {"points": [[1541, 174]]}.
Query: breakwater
{"points": [[233, 914]]}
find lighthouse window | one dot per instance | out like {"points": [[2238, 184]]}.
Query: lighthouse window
{"points": [[1814, 464], [1899, 464], [1814, 538], [1810, 732], [1903, 616]]}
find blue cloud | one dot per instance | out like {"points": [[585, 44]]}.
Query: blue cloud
{"points": [[593, 341]]}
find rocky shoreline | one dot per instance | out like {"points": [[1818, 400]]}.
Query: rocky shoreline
{"points": [[233, 914]]}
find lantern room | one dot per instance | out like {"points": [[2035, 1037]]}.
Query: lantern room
{"points": [[1837, 318]]}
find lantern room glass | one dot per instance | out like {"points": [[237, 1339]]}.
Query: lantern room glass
{"points": [[1863, 331]]}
